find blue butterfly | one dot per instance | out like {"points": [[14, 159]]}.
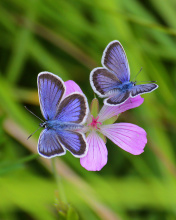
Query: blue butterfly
{"points": [[64, 117], [113, 79]]}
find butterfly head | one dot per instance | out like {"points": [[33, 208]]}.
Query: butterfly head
{"points": [[43, 124], [134, 83]]}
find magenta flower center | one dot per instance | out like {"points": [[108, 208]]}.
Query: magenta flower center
{"points": [[95, 122]]}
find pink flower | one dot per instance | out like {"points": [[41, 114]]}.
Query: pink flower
{"points": [[127, 136], [71, 87]]}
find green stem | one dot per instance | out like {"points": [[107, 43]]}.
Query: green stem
{"points": [[58, 179]]}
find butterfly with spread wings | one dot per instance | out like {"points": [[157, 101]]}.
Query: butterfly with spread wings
{"points": [[112, 81], [64, 118]]}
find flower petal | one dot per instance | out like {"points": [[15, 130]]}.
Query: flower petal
{"points": [[109, 111], [129, 137], [97, 155], [71, 87]]}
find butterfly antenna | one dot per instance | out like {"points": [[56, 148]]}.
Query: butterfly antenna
{"points": [[148, 81], [33, 133], [137, 74], [33, 114]]}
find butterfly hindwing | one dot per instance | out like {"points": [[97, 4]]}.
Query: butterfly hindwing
{"points": [[117, 98], [74, 142], [115, 60], [103, 81], [51, 89], [143, 88], [49, 144], [73, 108]]}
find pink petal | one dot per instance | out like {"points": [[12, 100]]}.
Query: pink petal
{"points": [[71, 87], [97, 155], [89, 118], [109, 111], [129, 137]]}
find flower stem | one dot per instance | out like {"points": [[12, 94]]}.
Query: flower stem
{"points": [[60, 188]]}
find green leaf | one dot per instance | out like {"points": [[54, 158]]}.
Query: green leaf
{"points": [[72, 214]]}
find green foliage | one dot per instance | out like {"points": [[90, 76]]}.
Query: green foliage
{"points": [[68, 38], [66, 212]]}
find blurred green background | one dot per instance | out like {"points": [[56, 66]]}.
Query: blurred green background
{"points": [[68, 38]]}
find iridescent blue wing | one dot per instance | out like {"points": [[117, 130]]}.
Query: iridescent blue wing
{"points": [[74, 109], [117, 98], [115, 60], [103, 81], [143, 88], [74, 142], [49, 144], [51, 89]]}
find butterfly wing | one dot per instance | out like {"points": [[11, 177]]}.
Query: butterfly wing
{"points": [[49, 144], [51, 89], [143, 88], [115, 60], [74, 142], [117, 99], [103, 81], [74, 109]]}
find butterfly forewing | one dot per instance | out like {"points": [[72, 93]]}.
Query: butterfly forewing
{"points": [[49, 144], [51, 90], [102, 80], [115, 60], [74, 142], [73, 108], [143, 88]]}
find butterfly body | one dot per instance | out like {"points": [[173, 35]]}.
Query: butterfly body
{"points": [[125, 86], [119, 89], [64, 118], [113, 79], [59, 125]]}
